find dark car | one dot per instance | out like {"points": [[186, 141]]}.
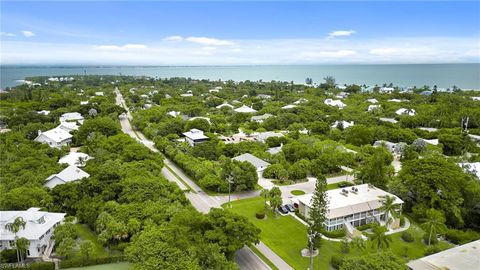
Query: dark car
{"points": [[290, 207], [283, 210]]}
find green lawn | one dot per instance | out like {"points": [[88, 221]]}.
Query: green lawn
{"points": [[86, 234], [286, 236], [110, 266]]}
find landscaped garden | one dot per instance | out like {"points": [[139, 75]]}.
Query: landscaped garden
{"points": [[287, 236]]}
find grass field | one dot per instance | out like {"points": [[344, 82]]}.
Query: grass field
{"points": [[86, 234], [286, 236], [110, 266]]}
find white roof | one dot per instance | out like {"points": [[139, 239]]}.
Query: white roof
{"points": [[99, 93], [187, 95], [300, 101], [410, 112], [261, 117], [471, 167], [245, 109], [429, 129], [195, 134], [37, 223], [44, 112], [71, 116], [200, 117], [396, 100], [390, 120], [476, 98], [332, 102], [70, 174], [68, 126], [173, 113], [373, 107], [73, 158], [432, 141], [224, 105], [457, 258], [345, 124], [258, 163], [83, 102], [57, 134], [367, 198], [264, 96], [372, 100], [274, 150], [290, 106]]}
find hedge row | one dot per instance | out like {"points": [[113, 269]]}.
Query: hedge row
{"points": [[79, 262], [28, 266]]}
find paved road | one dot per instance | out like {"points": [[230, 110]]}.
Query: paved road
{"points": [[245, 257]]}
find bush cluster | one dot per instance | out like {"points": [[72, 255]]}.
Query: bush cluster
{"points": [[407, 237], [459, 237], [260, 214], [79, 262]]}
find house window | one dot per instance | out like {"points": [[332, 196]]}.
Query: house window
{"points": [[28, 252]]}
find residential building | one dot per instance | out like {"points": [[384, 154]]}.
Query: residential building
{"points": [[372, 100], [394, 148], [72, 117], [275, 150], [264, 96], [386, 89], [44, 112], [173, 113], [337, 103], [373, 107], [200, 117], [344, 124], [56, 137], [39, 228], [69, 174], [259, 164], [75, 159], [290, 106], [194, 137], [224, 105], [353, 206], [403, 111], [101, 94], [301, 101], [260, 118], [462, 257], [262, 137], [471, 167], [245, 109], [389, 120]]}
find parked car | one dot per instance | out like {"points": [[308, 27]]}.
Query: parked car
{"points": [[283, 210], [290, 207]]}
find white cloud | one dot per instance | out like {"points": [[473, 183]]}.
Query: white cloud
{"points": [[5, 34], [209, 48], [389, 52], [28, 33], [341, 33], [173, 38], [209, 41], [120, 48]]}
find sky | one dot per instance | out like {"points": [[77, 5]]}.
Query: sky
{"points": [[238, 33]]}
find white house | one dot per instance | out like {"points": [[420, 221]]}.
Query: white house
{"points": [[72, 117], [275, 150], [471, 167], [68, 126], [403, 111], [352, 207], [173, 113], [344, 124], [290, 106], [389, 120], [259, 164], [263, 136], [187, 95], [372, 100], [75, 159], [56, 137], [476, 98], [69, 174], [396, 100], [337, 103], [99, 94], [260, 118], [245, 109], [194, 137], [300, 101], [39, 227], [83, 102], [224, 105], [374, 107], [387, 89], [395, 148], [264, 96], [44, 112]]}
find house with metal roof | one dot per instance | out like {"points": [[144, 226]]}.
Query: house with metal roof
{"points": [[263, 136], [259, 164], [56, 137], [357, 205], [39, 228], [194, 137], [245, 109], [69, 174], [260, 118]]}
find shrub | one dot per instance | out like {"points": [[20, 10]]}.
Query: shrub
{"points": [[334, 234], [8, 256], [79, 262], [461, 237], [432, 250], [364, 227], [407, 237], [260, 214], [402, 221], [336, 261], [42, 266], [433, 240]]}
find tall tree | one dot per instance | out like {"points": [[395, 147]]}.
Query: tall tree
{"points": [[15, 226], [317, 215], [433, 223], [22, 245], [275, 196], [388, 206]]}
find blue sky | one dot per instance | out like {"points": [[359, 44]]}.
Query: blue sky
{"points": [[209, 33]]}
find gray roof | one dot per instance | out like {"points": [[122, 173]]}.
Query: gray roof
{"points": [[458, 258], [258, 163]]}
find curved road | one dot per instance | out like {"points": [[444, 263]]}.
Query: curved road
{"points": [[245, 257]]}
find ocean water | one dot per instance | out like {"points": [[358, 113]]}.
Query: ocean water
{"points": [[465, 76]]}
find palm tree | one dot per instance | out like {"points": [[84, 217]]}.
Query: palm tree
{"points": [[265, 194], [433, 223], [388, 206], [15, 227], [358, 243], [22, 245], [378, 236]]}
